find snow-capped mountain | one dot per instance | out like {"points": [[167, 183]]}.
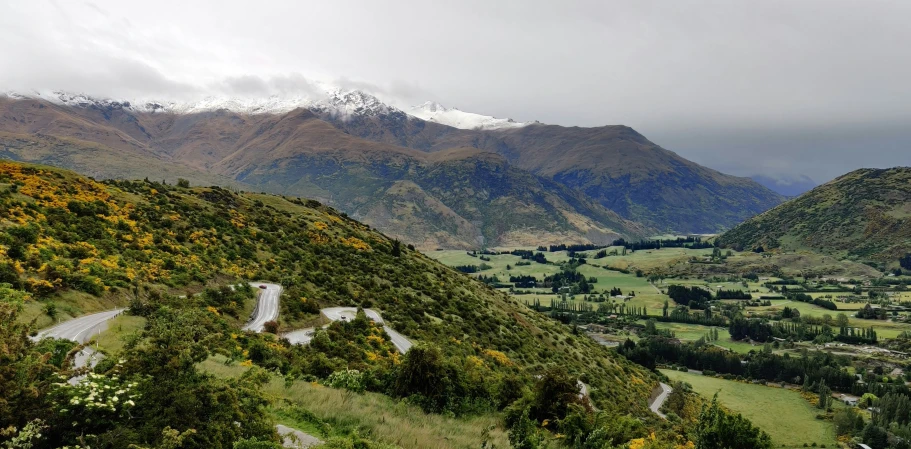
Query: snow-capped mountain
{"points": [[435, 112], [340, 103], [353, 102], [263, 105]]}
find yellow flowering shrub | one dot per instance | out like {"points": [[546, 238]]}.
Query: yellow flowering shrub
{"points": [[356, 243]]}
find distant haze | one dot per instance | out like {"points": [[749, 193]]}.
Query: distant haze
{"points": [[774, 88]]}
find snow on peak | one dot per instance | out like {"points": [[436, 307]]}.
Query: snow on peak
{"points": [[432, 111], [264, 105], [431, 106], [348, 103], [343, 103], [336, 101]]}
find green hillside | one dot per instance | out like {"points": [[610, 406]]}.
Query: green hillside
{"points": [[863, 215], [74, 245]]}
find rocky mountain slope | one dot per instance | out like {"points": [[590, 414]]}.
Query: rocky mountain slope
{"points": [[613, 165], [863, 215]]}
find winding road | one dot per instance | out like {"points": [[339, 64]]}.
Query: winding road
{"points": [[266, 307], [303, 336], [659, 401]]}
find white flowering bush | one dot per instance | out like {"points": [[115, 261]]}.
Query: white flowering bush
{"points": [[95, 402]]}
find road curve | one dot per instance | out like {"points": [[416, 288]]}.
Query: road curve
{"points": [[266, 306], [659, 401], [79, 329], [295, 439], [303, 336], [398, 340]]}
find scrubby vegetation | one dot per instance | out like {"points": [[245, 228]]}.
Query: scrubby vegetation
{"points": [[862, 215], [144, 243]]}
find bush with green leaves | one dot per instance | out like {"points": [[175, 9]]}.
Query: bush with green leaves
{"points": [[717, 429], [348, 379]]}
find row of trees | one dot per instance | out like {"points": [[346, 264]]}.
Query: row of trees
{"points": [[680, 242], [733, 294], [530, 255], [764, 331], [692, 297]]}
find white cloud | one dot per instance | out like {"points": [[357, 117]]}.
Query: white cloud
{"points": [[725, 73]]}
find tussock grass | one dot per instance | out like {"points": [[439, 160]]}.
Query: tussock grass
{"points": [[374, 415]]}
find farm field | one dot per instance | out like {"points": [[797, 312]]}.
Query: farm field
{"points": [[693, 332], [646, 295], [498, 263], [650, 296], [783, 414], [651, 258], [757, 288]]}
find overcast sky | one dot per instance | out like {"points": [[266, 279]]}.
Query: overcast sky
{"points": [[773, 87]]}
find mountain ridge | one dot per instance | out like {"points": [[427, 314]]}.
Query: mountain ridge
{"points": [[615, 165], [297, 153], [366, 143]]}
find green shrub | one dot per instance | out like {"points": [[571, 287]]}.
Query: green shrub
{"points": [[348, 379]]}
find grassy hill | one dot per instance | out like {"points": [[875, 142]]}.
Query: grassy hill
{"points": [[66, 238], [863, 215]]}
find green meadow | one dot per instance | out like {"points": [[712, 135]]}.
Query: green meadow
{"points": [[788, 418]]}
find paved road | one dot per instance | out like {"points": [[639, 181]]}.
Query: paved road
{"points": [[303, 336], [266, 307], [401, 343], [80, 329], [293, 438], [300, 336], [659, 401]]}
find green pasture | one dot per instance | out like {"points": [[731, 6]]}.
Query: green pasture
{"points": [[783, 414]]}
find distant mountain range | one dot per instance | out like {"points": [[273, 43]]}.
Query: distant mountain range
{"points": [[789, 186], [863, 215], [433, 176]]}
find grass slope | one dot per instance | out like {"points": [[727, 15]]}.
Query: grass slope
{"points": [[863, 215], [384, 419]]}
